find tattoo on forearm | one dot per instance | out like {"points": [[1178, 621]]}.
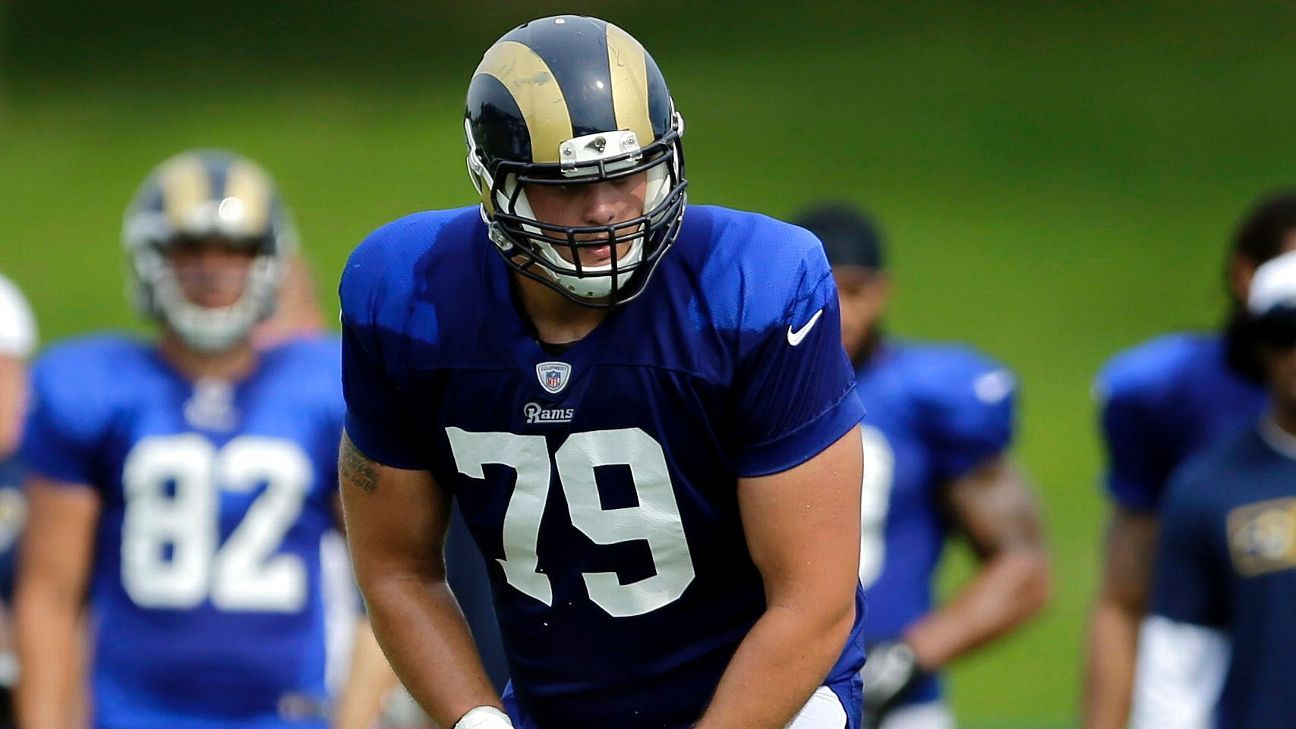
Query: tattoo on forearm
{"points": [[355, 469]]}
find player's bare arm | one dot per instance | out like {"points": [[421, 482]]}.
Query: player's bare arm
{"points": [[995, 508], [369, 680], [369, 677], [57, 554], [802, 528], [13, 396], [396, 523], [1117, 615]]}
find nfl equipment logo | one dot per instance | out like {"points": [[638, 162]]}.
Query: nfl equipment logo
{"points": [[553, 376]]}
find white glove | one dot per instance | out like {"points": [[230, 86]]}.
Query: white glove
{"points": [[890, 670], [484, 717]]}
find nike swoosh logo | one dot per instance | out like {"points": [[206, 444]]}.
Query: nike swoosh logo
{"points": [[795, 336]]}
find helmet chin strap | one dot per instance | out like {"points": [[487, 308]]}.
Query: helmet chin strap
{"points": [[593, 281], [596, 283]]}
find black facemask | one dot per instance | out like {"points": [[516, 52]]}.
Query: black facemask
{"points": [[1276, 330]]}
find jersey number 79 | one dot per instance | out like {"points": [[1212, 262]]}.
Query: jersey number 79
{"points": [[656, 519]]}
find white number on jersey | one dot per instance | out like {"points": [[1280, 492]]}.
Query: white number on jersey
{"points": [[243, 574], [655, 520], [875, 501]]}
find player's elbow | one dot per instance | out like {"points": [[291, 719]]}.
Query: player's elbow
{"points": [[43, 593], [386, 579], [825, 615], [1025, 573], [836, 628], [841, 623], [42, 608], [1036, 581]]}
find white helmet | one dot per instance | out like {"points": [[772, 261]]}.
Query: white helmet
{"points": [[204, 194]]}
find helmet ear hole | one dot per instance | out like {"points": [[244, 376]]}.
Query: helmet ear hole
{"points": [[477, 171]]}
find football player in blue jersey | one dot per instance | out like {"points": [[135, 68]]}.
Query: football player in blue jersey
{"points": [[1218, 648], [936, 443], [643, 411], [1162, 402], [17, 342], [181, 485]]}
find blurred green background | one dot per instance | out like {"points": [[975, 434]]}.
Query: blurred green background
{"points": [[1057, 179]]}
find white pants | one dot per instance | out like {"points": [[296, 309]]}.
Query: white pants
{"points": [[933, 715], [341, 608], [822, 711]]}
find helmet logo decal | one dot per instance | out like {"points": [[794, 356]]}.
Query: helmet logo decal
{"points": [[553, 376], [580, 155]]}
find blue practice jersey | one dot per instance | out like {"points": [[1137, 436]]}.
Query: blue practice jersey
{"points": [[1164, 401], [935, 413], [205, 597], [600, 482], [1227, 560]]}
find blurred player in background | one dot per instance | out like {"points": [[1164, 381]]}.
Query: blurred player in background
{"points": [[1162, 402], [1218, 648], [182, 485], [643, 412], [364, 681], [17, 342], [936, 444]]}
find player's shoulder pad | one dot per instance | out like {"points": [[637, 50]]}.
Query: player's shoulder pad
{"points": [[948, 373], [773, 272], [1149, 371], [380, 274], [81, 381]]}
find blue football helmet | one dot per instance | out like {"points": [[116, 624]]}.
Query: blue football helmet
{"points": [[199, 195], [570, 100]]}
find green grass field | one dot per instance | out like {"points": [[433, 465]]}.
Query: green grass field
{"points": [[1057, 180]]}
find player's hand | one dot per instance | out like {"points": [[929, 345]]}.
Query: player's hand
{"points": [[891, 669]]}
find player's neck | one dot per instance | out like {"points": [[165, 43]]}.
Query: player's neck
{"points": [[865, 350], [556, 319], [232, 364]]}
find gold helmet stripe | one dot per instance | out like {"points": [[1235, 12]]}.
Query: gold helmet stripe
{"points": [[251, 186], [185, 184], [629, 73], [533, 86]]}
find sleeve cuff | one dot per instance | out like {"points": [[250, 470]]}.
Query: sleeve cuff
{"points": [[381, 447], [1135, 496]]}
